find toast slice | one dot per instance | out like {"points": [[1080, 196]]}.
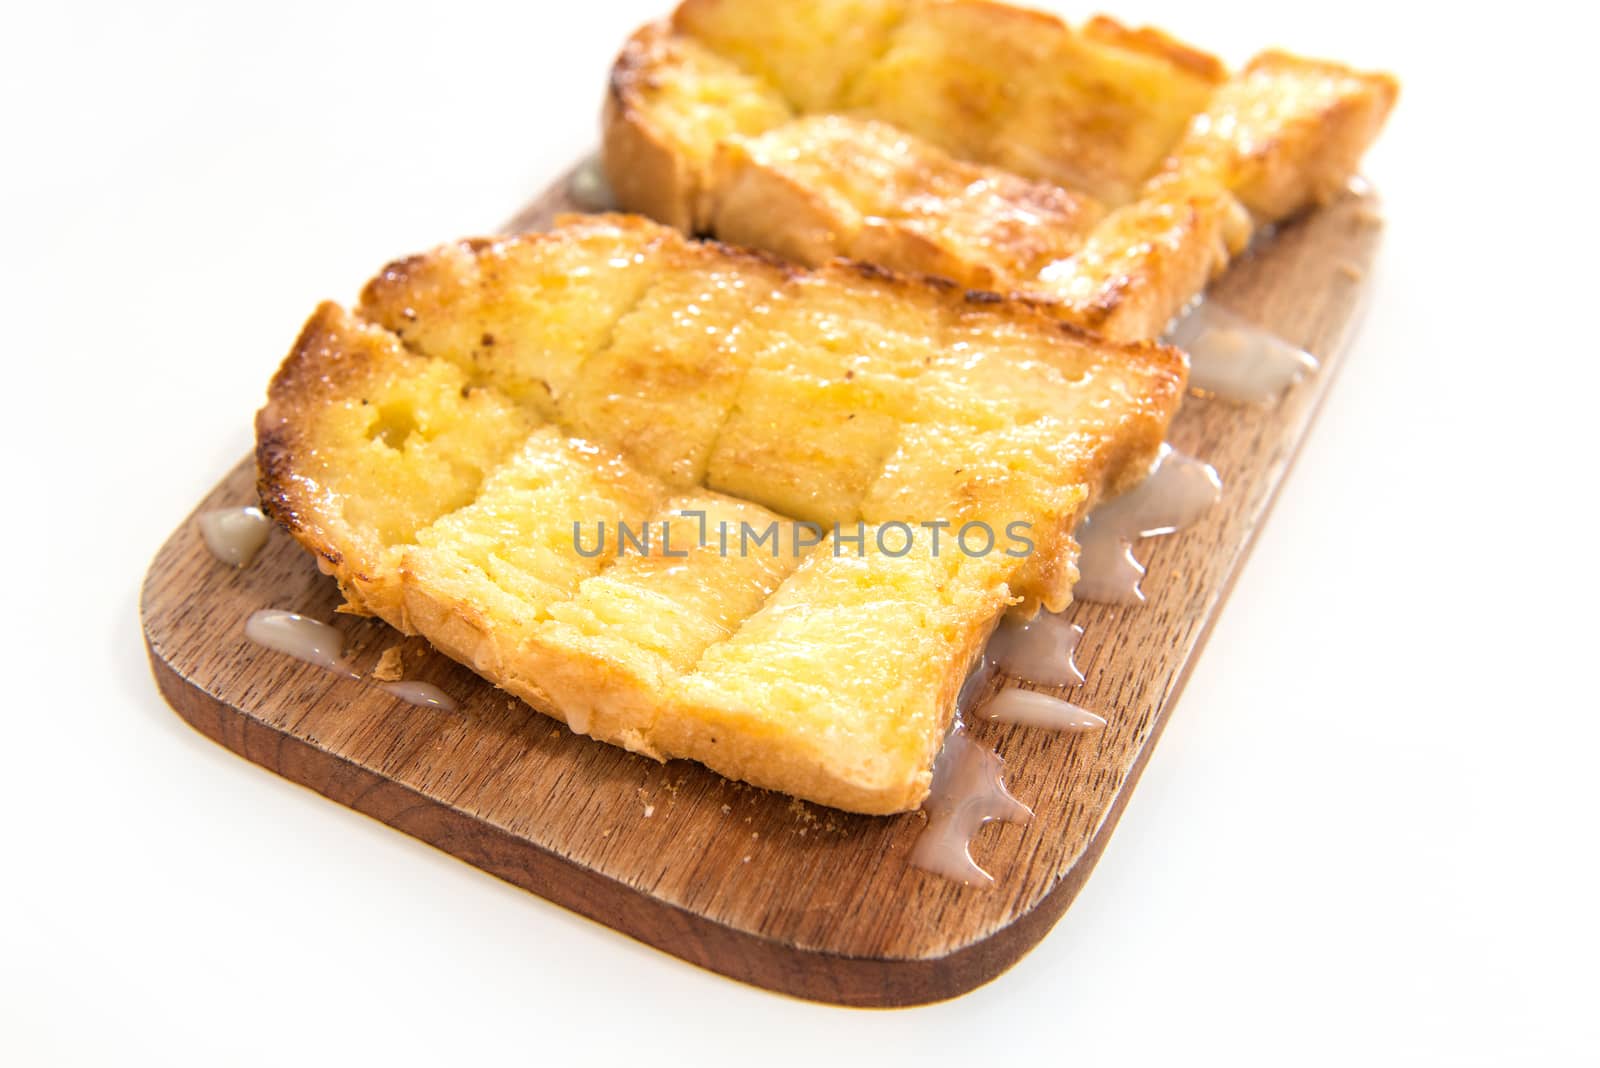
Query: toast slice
{"points": [[1107, 171], [687, 499]]}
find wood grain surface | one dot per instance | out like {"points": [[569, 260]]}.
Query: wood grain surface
{"points": [[758, 886]]}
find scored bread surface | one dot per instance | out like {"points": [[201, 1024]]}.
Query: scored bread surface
{"points": [[1108, 172], [437, 445]]}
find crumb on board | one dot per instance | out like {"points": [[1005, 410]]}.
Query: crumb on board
{"points": [[799, 808], [391, 665], [649, 810]]}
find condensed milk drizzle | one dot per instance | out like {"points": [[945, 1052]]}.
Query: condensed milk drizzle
{"points": [[1232, 358], [973, 690], [1178, 492], [1039, 650], [321, 645], [234, 535], [968, 788], [589, 189], [424, 694], [301, 637], [968, 791], [1033, 709]]}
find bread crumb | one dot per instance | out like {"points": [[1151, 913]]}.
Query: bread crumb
{"points": [[727, 809], [801, 809], [391, 665], [649, 810]]}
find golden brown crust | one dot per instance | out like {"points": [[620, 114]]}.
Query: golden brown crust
{"points": [[645, 170], [669, 102], [324, 360]]}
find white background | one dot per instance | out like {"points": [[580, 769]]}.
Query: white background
{"points": [[1368, 836]]}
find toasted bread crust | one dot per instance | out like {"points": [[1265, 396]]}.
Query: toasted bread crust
{"points": [[669, 101], [645, 170], [323, 359]]}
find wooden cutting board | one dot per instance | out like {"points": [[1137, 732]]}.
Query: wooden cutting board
{"points": [[758, 886]]}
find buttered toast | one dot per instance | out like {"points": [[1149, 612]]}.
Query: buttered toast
{"points": [[1108, 172], [465, 449]]}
